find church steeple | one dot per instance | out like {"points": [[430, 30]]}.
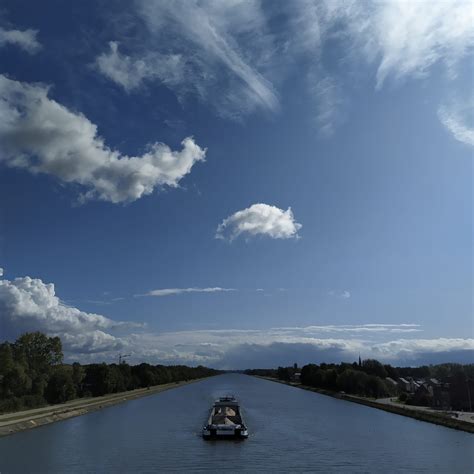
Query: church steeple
{"points": [[360, 361]]}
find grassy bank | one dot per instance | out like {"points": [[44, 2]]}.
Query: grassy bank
{"points": [[23, 420], [412, 412]]}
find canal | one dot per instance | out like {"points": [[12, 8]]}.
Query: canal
{"points": [[291, 430]]}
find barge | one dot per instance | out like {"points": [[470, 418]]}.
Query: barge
{"points": [[225, 420]]}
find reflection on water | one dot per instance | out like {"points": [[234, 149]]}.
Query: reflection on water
{"points": [[291, 430]]}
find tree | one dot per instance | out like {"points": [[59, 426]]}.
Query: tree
{"points": [[311, 375], [330, 379], [16, 382], [78, 375], [32, 374], [39, 351], [374, 367], [283, 373], [6, 358], [60, 386]]}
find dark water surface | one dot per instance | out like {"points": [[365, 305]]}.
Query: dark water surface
{"points": [[291, 430]]}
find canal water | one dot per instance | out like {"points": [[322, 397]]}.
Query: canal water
{"points": [[291, 430]]}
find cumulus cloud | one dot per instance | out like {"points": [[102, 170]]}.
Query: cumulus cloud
{"points": [[459, 121], [178, 291], [130, 72], [1, 271], [29, 304], [259, 219], [24, 39], [42, 136]]}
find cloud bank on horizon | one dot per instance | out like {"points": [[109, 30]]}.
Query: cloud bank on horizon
{"points": [[30, 304]]}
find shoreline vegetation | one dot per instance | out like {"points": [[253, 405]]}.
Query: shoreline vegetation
{"points": [[37, 388], [438, 418], [16, 422]]}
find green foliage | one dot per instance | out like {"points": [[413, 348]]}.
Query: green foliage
{"points": [[60, 386], [6, 358], [403, 397], [370, 380], [367, 380], [32, 374], [284, 373], [38, 351], [374, 367], [261, 372]]}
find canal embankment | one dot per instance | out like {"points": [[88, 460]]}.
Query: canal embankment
{"points": [[27, 419], [443, 418]]}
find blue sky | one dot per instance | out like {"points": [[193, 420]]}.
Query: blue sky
{"points": [[241, 182]]}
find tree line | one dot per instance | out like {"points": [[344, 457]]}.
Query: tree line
{"points": [[32, 374], [368, 378]]}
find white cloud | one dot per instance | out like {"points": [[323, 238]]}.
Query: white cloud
{"points": [[342, 294], [1, 272], [24, 39], [259, 219], [130, 72], [413, 36], [178, 291], [412, 348], [214, 51], [29, 304], [459, 120], [327, 95], [403, 38], [234, 55], [241, 348], [352, 328], [42, 136]]}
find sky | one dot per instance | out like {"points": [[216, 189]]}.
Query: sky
{"points": [[238, 184]]}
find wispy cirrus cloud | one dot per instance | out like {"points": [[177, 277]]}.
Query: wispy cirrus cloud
{"points": [[259, 219], [24, 39], [341, 294], [236, 55], [458, 119], [213, 52], [179, 291], [414, 36], [42, 136], [131, 72], [404, 39]]}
